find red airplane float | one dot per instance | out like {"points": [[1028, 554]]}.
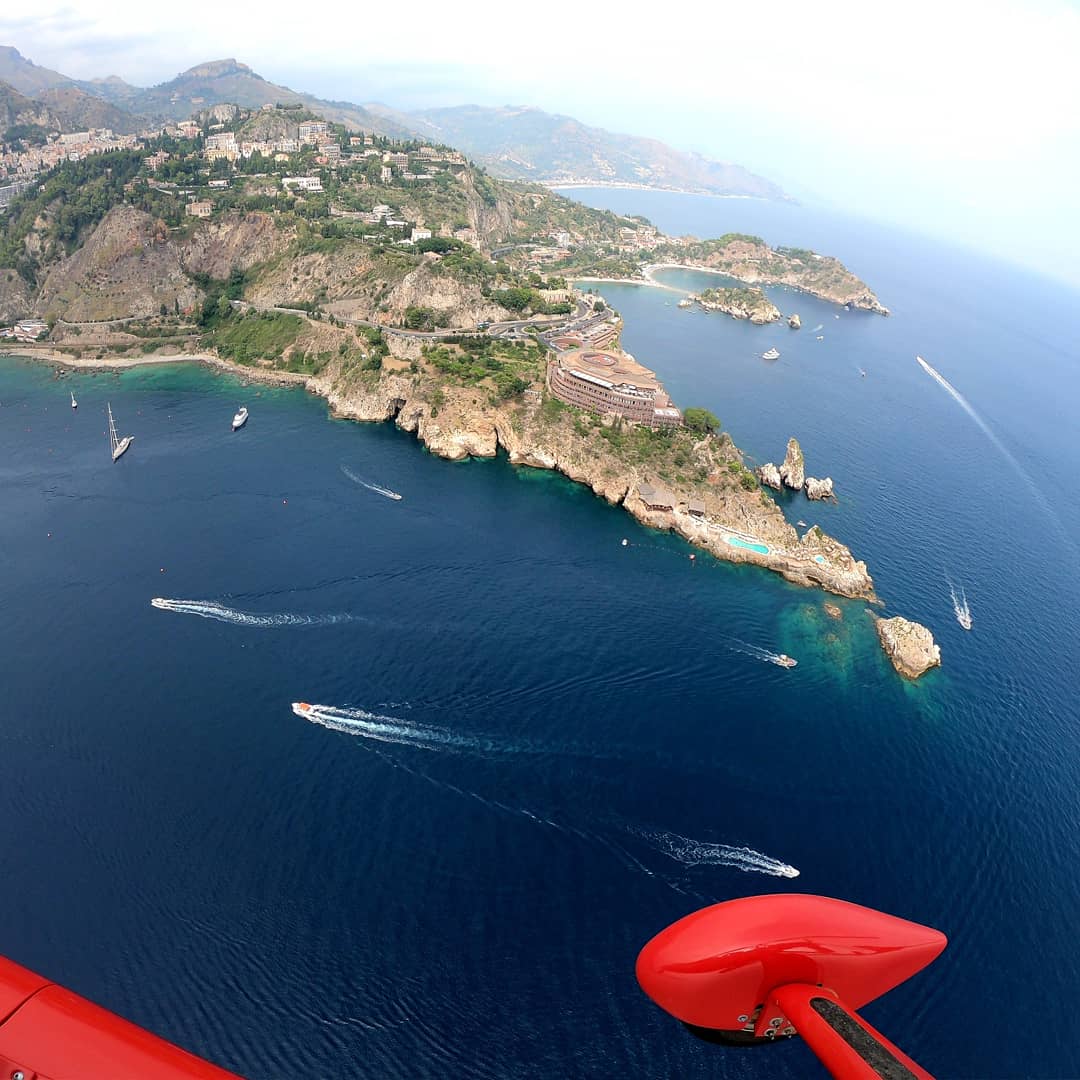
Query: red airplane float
{"points": [[756, 970]]}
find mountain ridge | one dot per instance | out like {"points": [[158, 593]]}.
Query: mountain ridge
{"points": [[512, 142]]}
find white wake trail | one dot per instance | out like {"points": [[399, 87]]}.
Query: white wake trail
{"points": [[756, 651], [211, 609], [1002, 448], [391, 729], [700, 853], [377, 488]]}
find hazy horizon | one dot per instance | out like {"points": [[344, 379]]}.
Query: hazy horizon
{"points": [[953, 121]]}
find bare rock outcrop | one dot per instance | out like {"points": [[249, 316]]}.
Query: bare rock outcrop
{"points": [[15, 298], [819, 489], [769, 475], [128, 268], [792, 471], [908, 645], [794, 322]]}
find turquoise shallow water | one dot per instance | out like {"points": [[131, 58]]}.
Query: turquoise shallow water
{"points": [[536, 746]]}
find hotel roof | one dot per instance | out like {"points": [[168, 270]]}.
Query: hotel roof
{"points": [[608, 368]]}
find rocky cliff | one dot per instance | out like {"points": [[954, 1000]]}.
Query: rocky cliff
{"points": [[908, 645], [792, 469], [819, 489]]}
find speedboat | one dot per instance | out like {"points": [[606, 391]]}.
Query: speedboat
{"points": [[785, 661], [302, 708], [74, 403], [772, 354], [240, 419]]}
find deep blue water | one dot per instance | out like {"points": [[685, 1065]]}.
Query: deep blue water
{"points": [[555, 743]]}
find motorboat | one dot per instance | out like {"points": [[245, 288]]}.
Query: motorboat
{"points": [[772, 354], [240, 419]]}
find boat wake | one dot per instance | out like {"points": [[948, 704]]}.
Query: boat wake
{"points": [[391, 729], [961, 608], [767, 656], [817, 328], [210, 609], [1002, 448], [701, 853], [379, 490]]}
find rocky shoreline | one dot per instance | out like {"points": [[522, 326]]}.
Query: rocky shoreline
{"points": [[727, 520]]}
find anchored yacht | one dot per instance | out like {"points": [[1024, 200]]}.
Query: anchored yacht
{"points": [[240, 419], [119, 446]]}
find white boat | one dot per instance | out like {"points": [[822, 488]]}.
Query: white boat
{"points": [[119, 446], [74, 403], [240, 419], [961, 608], [783, 660], [772, 354]]}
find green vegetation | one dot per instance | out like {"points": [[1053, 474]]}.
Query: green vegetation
{"points": [[741, 296], [507, 367], [701, 421], [259, 336]]}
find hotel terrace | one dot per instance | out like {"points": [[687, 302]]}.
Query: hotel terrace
{"points": [[611, 382]]}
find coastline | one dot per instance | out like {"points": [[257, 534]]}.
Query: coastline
{"points": [[814, 560], [627, 185], [763, 537]]}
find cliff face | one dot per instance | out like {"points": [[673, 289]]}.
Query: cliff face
{"points": [[15, 301], [128, 267], [792, 470], [235, 241], [131, 265]]}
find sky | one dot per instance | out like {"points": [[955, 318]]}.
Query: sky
{"points": [[957, 119]]}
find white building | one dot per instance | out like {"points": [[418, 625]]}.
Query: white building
{"points": [[304, 183]]}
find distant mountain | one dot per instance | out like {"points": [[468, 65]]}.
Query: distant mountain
{"points": [[61, 108], [25, 76], [230, 81], [518, 143], [74, 107], [528, 143]]}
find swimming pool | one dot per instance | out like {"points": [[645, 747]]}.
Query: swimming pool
{"points": [[819, 558], [734, 541]]}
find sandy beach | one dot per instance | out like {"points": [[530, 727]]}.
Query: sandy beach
{"points": [[118, 363]]}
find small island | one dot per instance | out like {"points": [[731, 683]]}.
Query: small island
{"points": [[738, 302]]}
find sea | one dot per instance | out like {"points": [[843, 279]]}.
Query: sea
{"points": [[533, 745]]}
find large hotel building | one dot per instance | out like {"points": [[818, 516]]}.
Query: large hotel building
{"points": [[610, 382]]}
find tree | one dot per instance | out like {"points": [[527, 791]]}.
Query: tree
{"points": [[702, 421]]}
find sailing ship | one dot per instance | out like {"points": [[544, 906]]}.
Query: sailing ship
{"points": [[240, 419], [119, 446], [961, 608], [74, 403], [772, 354]]}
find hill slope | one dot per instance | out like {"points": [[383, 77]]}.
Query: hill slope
{"points": [[528, 143]]}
